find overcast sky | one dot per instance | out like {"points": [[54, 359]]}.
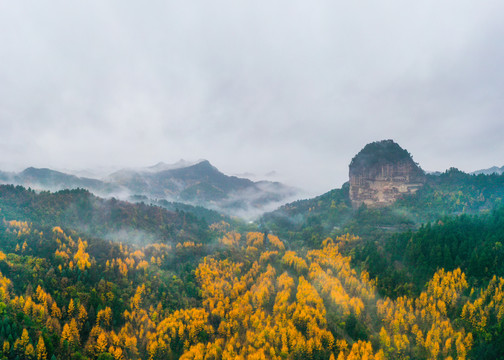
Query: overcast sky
{"points": [[298, 87]]}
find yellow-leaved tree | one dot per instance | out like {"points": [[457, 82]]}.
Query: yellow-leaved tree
{"points": [[41, 349]]}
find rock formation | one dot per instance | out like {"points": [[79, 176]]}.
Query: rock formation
{"points": [[381, 173]]}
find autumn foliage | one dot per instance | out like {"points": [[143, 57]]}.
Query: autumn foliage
{"points": [[248, 296]]}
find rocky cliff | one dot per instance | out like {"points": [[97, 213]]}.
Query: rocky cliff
{"points": [[381, 173]]}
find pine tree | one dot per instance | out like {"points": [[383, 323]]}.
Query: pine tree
{"points": [[71, 308], [101, 343], [41, 349], [29, 351], [82, 316]]}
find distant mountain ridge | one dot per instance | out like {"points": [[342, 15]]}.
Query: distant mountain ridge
{"points": [[489, 171], [196, 183]]}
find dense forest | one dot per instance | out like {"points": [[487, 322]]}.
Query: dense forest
{"points": [[88, 278]]}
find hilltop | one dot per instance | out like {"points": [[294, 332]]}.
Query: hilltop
{"points": [[381, 173]]}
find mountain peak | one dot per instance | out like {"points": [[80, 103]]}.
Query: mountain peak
{"points": [[381, 173], [379, 153], [162, 166], [33, 171], [204, 163]]}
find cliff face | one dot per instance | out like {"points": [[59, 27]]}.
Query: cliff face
{"points": [[381, 173]]}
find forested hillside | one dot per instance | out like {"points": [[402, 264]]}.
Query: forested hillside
{"points": [[450, 193], [80, 210], [222, 291]]}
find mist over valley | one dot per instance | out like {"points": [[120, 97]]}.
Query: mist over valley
{"points": [[198, 184]]}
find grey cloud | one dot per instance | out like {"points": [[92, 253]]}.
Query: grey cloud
{"points": [[293, 86]]}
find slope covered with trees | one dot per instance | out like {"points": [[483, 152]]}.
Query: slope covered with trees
{"points": [[450, 193], [248, 295], [87, 278], [94, 216]]}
